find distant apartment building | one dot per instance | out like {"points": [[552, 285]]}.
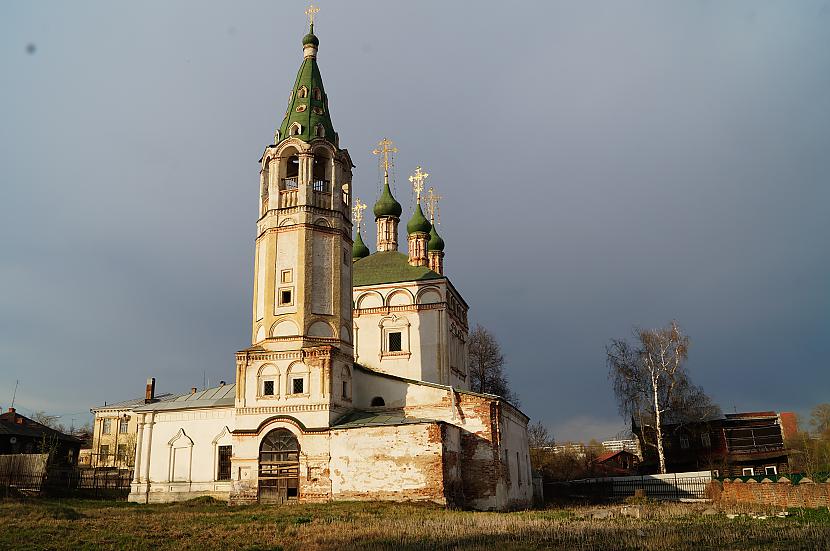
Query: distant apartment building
{"points": [[629, 445]]}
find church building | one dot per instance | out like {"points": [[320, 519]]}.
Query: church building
{"points": [[355, 384]]}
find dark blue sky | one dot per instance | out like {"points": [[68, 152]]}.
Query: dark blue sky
{"points": [[604, 165]]}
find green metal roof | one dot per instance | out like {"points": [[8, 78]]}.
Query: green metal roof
{"points": [[388, 267], [359, 248], [435, 242], [377, 418], [312, 111], [418, 222], [386, 205]]}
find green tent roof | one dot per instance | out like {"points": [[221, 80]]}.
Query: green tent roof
{"points": [[314, 107], [388, 267]]}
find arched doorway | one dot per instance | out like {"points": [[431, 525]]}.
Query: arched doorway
{"points": [[279, 467]]}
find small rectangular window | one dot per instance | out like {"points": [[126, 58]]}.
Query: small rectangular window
{"points": [[395, 342], [223, 472], [106, 426], [123, 426], [297, 386], [268, 388], [519, 468], [345, 389], [286, 276], [706, 440], [747, 471], [684, 441], [772, 469], [121, 452], [103, 451], [285, 297]]}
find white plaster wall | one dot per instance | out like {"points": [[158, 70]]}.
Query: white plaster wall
{"points": [[424, 336]]}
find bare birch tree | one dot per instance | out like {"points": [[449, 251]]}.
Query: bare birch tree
{"points": [[486, 365], [651, 384]]}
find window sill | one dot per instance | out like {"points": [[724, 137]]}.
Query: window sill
{"points": [[395, 355]]}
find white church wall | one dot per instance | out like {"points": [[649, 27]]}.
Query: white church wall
{"points": [[183, 449]]}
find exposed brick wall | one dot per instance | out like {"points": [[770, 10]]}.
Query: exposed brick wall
{"points": [[780, 494]]}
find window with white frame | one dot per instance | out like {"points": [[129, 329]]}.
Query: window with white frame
{"points": [[771, 469], [269, 377], [394, 336], [297, 385], [747, 471], [124, 425], [106, 426]]}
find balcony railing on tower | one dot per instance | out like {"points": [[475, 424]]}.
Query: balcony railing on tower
{"points": [[322, 193], [288, 192]]}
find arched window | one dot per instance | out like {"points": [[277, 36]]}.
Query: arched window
{"points": [[295, 130], [317, 94], [320, 131], [377, 402], [302, 92]]}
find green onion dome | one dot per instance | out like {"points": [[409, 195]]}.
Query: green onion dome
{"points": [[386, 204], [435, 242], [310, 38], [359, 248], [418, 222]]}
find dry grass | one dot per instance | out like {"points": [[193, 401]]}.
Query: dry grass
{"points": [[75, 524]]}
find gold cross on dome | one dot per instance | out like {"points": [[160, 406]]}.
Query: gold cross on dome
{"points": [[311, 11], [417, 180], [387, 149], [432, 205], [357, 212]]}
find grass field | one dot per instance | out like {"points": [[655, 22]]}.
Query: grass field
{"points": [[201, 524]]}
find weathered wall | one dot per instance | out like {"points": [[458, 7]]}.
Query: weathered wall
{"points": [[401, 462], [780, 494]]}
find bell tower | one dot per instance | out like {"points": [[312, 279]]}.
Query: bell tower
{"points": [[301, 353]]}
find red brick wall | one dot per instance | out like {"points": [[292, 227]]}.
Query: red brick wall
{"points": [[779, 494]]}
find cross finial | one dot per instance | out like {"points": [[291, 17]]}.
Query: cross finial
{"points": [[311, 11], [417, 180], [357, 212], [432, 206], [386, 149]]}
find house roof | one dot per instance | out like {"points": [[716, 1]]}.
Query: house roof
{"points": [[610, 455], [135, 402], [218, 396], [389, 267], [14, 424]]}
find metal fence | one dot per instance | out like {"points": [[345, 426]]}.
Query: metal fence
{"points": [[675, 487]]}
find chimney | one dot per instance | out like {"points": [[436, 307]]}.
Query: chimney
{"points": [[193, 390], [150, 391]]}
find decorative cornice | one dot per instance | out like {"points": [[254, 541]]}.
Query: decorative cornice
{"points": [[357, 312]]}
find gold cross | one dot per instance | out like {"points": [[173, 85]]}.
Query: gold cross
{"points": [[357, 212], [311, 11], [417, 180], [387, 149], [432, 205]]}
